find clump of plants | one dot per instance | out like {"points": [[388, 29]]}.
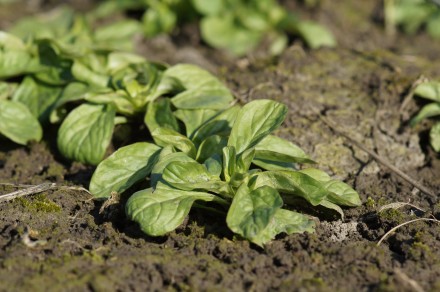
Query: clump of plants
{"points": [[412, 15], [74, 76], [229, 163], [430, 91], [207, 152], [237, 26]]}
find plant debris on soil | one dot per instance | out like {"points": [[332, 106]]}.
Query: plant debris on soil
{"points": [[63, 240]]}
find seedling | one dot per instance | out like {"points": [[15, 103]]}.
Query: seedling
{"points": [[430, 91], [412, 15], [237, 26]]}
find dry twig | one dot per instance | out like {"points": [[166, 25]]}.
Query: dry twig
{"points": [[35, 189], [403, 224]]}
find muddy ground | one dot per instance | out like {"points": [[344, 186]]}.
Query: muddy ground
{"points": [[59, 241]]}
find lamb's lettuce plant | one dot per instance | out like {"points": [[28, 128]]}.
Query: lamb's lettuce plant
{"points": [[89, 88], [412, 15], [430, 91], [237, 26], [228, 161]]}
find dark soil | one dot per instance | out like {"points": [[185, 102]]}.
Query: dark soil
{"points": [[59, 241]]}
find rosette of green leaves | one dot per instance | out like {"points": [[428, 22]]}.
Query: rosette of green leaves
{"points": [[430, 91], [412, 15], [227, 161], [239, 26]]}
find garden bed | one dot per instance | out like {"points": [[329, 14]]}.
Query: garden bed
{"points": [[63, 240]]}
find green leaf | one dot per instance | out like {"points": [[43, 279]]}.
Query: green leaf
{"points": [[193, 119], [315, 35], [429, 110], [207, 97], [124, 168], [212, 7], [278, 149], [340, 192], [86, 133], [211, 146], [434, 135], [38, 97], [117, 35], [332, 206], [190, 176], [158, 19], [164, 137], [429, 90], [229, 162], [251, 211], [165, 158], [57, 69], [254, 122], [17, 123], [17, 62], [161, 211], [87, 75], [244, 160], [159, 114], [292, 183], [274, 165], [433, 26], [202, 89], [223, 32], [72, 92], [214, 165], [7, 89], [219, 125], [119, 99], [285, 221]]}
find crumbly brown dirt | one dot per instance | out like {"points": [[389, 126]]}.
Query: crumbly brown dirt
{"points": [[58, 240]]}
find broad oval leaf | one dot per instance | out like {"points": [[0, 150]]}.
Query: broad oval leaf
{"points": [[205, 97], [190, 176], [86, 133], [315, 35], [434, 135], [17, 123], [37, 96], [278, 149], [285, 221], [429, 110], [293, 183], [164, 137], [123, 168], [220, 125], [340, 192], [254, 122], [224, 32], [251, 211], [193, 119], [211, 146], [72, 92], [161, 211], [159, 114], [274, 165], [429, 90], [202, 89], [165, 158]]}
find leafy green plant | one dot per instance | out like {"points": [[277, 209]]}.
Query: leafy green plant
{"points": [[75, 77], [430, 91], [411, 15], [227, 163], [236, 26]]}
